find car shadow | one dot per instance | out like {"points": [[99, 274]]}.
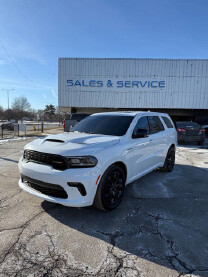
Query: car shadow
{"points": [[162, 218], [8, 160]]}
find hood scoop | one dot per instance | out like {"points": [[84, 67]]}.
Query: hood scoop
{"points": [[55, 140]]}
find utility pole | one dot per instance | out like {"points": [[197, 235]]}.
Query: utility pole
{"points": [[8, 91]]}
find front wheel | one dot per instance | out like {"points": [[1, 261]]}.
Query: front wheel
{"points": [[111, 189], [169, 161]]}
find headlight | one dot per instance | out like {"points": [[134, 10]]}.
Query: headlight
{"points": [[85, 161]]}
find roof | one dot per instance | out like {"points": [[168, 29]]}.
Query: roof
{"points": [[130, 113]]}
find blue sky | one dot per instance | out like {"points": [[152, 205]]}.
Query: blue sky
{"points": [[34, 33]]}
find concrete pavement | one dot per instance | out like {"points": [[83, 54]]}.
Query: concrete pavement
{"points": [[160, 229]]}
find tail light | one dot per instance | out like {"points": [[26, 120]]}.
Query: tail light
{"points": [[201, 131], [64, 124], [181, 130]]}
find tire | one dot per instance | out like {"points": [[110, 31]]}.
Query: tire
{"points": [[111, 189], [169, 161]]}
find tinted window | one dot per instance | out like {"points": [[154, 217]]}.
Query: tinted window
{"points": [[186, 124], [142, 123], [155, 124], [113, 125], [78, 117], [167, 122]]}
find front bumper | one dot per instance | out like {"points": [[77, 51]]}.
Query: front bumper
{"points": [[47, 174]]}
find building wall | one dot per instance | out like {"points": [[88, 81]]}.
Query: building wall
{"points": [[133, 83]]}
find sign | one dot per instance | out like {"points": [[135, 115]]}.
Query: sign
{"points": [[115, 83]]}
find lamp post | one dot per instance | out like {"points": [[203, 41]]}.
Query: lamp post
{"points": [[8, 91]]}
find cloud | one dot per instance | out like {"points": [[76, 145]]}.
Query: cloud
{"points": [[20, 50], [53, 93], [2, 62], [44, 96], [24, 84]]}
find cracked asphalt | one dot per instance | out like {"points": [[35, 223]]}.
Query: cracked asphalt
{"points": [[160, 229]]}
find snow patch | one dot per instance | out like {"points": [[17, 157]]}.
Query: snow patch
{"points": [[2, 141]]}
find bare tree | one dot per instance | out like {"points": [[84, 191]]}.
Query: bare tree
{"points": [[1, 112], [21, 106]]}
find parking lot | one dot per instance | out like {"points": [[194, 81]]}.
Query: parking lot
{"points": [[160, 229]]}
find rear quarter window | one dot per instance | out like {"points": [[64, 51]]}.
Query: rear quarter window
{"points": [[167, 122], [187, 124], [155, 124]]}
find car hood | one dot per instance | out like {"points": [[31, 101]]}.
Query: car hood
{"points": [[72, 143]]}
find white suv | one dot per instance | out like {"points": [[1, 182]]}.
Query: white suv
{"points": [[100, 155]]}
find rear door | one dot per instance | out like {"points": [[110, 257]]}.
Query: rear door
{"points": [[170, 130], [158, 136]]}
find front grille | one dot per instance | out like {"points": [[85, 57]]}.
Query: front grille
{"points": [[45, 188], [57, 161]]}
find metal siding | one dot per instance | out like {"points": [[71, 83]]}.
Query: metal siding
{"points": [[186, 83]]}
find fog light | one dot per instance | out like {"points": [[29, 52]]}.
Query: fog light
{"points": [[79, 186]]}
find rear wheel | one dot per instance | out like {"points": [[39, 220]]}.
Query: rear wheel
{"points": [[169, 161], [111, 189]]}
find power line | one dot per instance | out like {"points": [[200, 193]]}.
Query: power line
{"points": [[51, 76], [19, 70]]}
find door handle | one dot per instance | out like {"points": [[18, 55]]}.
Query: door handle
{"points": [[126, 151]]}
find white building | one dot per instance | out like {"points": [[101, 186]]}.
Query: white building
{"points": [[178, 87]]}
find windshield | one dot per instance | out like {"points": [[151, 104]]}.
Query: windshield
{"points": [[112, 125]]}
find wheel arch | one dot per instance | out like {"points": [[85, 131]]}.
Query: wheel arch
{"points": [[122, 165], [97, 199], [172, 146]]}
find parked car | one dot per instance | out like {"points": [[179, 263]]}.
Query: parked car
{"points": [[205, 127], [9, 126], [100, 155], [190, 132], [74, 118]]}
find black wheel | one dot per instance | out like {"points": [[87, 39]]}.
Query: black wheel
{"points": [[111, 189], [169, 161]]}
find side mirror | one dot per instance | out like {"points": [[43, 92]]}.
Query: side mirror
{"points": [[140, 133]]}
